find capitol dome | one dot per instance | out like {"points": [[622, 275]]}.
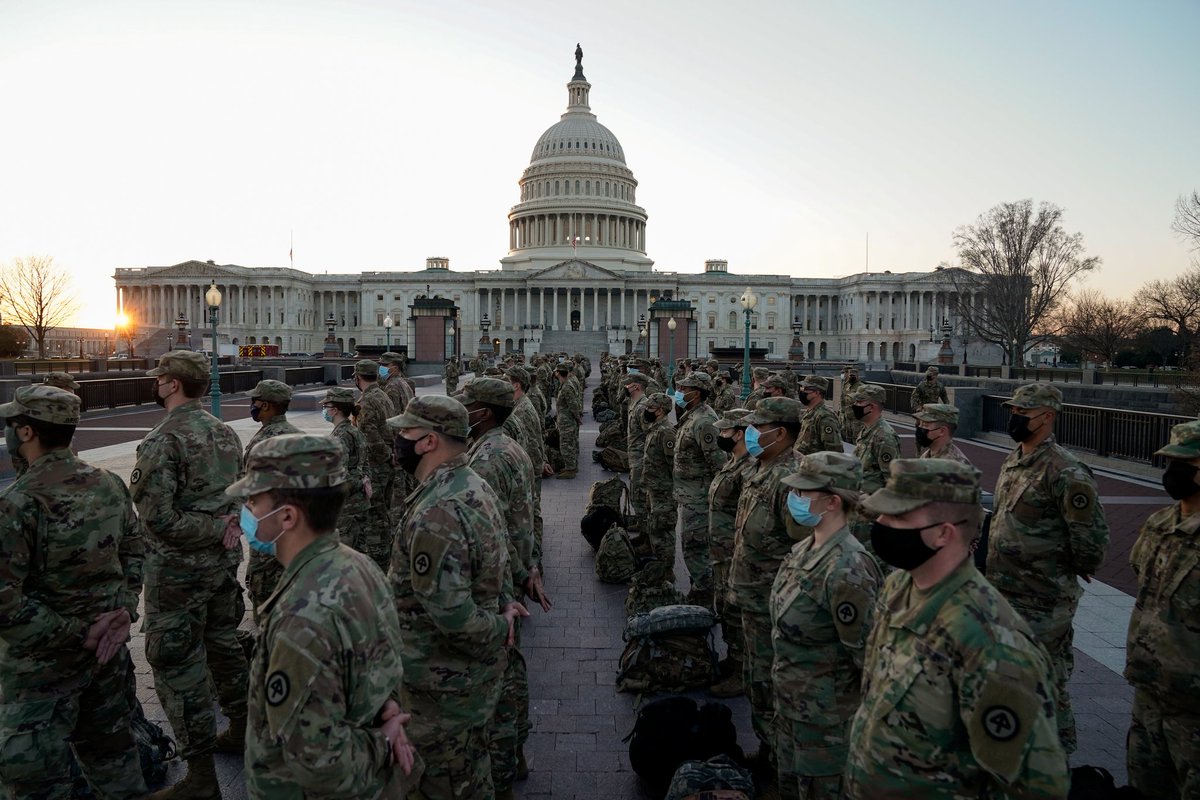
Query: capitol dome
{"points": [[574, 137]]}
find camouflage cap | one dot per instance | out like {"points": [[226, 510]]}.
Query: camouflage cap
{"points": [[660, 400], [917, 482], [871, 393], [816, 382], [391, 357], [1036, 395], [366, 367], [761, 373], [640, 378], [340, 394], [697, 380], [826, 470], [775, 409], [520, 375], [489, 391], [493, 372], [1185, 442], [733, 418], [435, 412], [44, 403], [776, 382], [931, 371], [712, 362], [182, 364], [938, 412], [272, 392], [291, 461], [62, 380]]}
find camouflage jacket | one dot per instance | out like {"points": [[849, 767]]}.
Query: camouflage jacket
{"points": [[72, 550], [726, 400], [451, 372], [354, 455], [752, 399], [761, 538], [876, 447], [658, 462], [957, 698], [635, 432], [820, 431], [374, 410], [927, 392], [723, 494], [822, 604], [569, 400], [276, 426], [697, 457], [499, 460], [1048, 527], [178, 484], [398, 391], [525, 425], [327, 659], [951, 452], [846, 400], [1163, 648], [449, 569]]}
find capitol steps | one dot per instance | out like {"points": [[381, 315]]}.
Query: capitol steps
{"points": [[590, 343]]}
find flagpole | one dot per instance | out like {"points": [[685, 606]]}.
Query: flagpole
{"points": [[292, 248]]}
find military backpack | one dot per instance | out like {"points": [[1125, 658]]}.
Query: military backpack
{"points": [[718, 778], [668, 649], [615, 560], [607, 502], [672, 730]]}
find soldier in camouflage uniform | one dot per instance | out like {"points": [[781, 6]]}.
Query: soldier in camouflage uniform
{"points": [[451, 375], [568, 411], [821, 609], [936, 423], [269, 402], [1164, 633], [374, 410], [762, 540], [723, 494], [354, 522], [60, 380], [1047, 529], [453, 589], [326, 673], [758, 378], [395, 386], [69, 585], [525, 425], [819, 426], [194, 602], [850, 424], [957, 696], [635, 436], [876, 447], [929, 390], [697, 459], [659, 486], [726, 398]]}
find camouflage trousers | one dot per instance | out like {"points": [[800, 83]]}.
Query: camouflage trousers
{"points": [[262, 575], [568, 440], [451, 385], [637, 495], [660, 537], [756, 674], [806, 770], [1056, 633], [729, 613], [509, 728], [538, 525], [693, 535], [457, 763], [375, 538], [851, 427], [1163, 749], [40, 728], [191, 625]]}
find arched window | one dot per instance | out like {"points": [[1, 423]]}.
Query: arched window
{"points": [[733, 320], [556, 187], [712, 320], [576, 187], [587, 187]]}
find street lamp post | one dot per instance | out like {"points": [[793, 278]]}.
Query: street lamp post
{"points": [[643, 333], [181, 323], [106, 353], [749, 301], [387, 329], [485, 344], [213, 298], [451, 338], [671, 325]]}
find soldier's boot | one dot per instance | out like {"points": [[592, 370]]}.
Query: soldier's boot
{"points": [[200, 783], [522, 764], [731, 684], [233, 738], [566, 474]]}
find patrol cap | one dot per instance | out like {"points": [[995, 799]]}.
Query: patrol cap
{"points": [[712, 362], [435, 412], [639, 378], [1036, 395], [774, 409], [872, 393], [776, 382], [291, 461], [660, 400], [493, 372], [391, 357], [938, 412], [697, 380], [366, 367], [182, 364], [931, 371], [917, 482], [518, 374], [489, 391], [340, 394], [826, 470], [761, 373], [62, 380], [44, 403], [815, 382], [733, 418], [272, 392], [1185, 442]]}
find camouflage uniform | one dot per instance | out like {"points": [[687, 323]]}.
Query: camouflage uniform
{"points": [[761, 541], [568, 410], [355, 518], [660, 513], [327, 656], [723, 494], [877, 445], [395, 386], [957, 699], [821, 606], [193, 603], [697, 459], [525, 425], [450, 576], [72, 550], [850, 425], [374, 410], [948, 415], [635, 443], [60, 380], [929, 390], [263, 571], [451, 375], [819, 426], [1048, 527], [725, 400]]}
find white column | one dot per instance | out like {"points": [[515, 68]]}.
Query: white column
{"points": [[595, 308], [554, 309], [608, 310]]}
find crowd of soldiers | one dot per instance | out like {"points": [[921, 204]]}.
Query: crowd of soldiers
{"points": [[392, 560]]}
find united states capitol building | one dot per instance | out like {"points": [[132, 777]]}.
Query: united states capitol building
{"points": [[576, 277]]}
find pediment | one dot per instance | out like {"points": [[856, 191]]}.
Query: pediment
{"points": [[575, 270], [194, 269]]}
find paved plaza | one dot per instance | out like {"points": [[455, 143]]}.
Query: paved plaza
{"points": [[579, 720]]}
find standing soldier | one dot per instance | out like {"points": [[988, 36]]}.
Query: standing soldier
{"points": [[568, 411], [1164, 632], [525, 425], [450, 576], [850, 423], [269, 402], [957, 696], [936, 423], [659, 487], [726, 397], [723, 496], [374, 410], [877, 444], [326, 669], [451, 375], [60, 380], [930, 390], [635, 435], [355, 521], [194, 602], [758, 379], [395, 386], [697, 459], [69, 585], [819, 426], [1048, 530]]}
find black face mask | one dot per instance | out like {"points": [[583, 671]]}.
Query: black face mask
{"points": [[649, 416], [858, 411], [406, 455], [903, 548], [805, 398], [1018, 427], [923, 437], [726, 445], [1179, 479]]}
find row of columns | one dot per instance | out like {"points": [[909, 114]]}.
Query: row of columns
{"points": [[905, 310], [525, 308], [254, 306], [600, 230]]}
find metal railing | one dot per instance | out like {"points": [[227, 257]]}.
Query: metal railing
{"points": [[298, 375], [983, 372], [1161, 379], [1046, 374], [113, 392], [239, 380]]}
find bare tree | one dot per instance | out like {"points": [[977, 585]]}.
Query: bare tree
{"points": [[1021, 261], [38, 296], [1187, 218], [1175, 301], [1098, 326]]}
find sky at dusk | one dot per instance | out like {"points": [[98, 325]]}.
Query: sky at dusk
{"points": [[776, 135]]}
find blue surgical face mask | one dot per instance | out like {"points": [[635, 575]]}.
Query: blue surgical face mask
{"points": [[678, 396], [752, 446], [327, 414], [631, 370], [249, 525], [384, 372], [801, 510]]}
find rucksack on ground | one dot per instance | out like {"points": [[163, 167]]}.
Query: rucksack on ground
{"points": [[718, 777], [610, 434], [675, 729], [607, 501], [615, 559], [614, 459], [646, 594], [668, 649]]}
